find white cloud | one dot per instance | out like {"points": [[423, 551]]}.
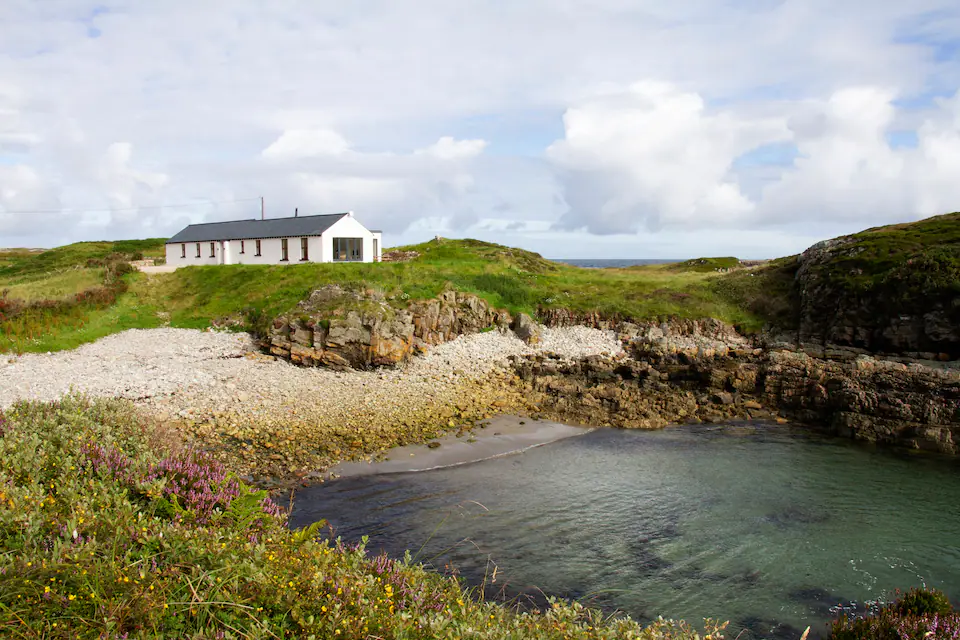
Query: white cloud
{"points": [[654, 156], [446, 148], [386, 189], [305, 143], [848, 170], [411, 111], [657, 157]]}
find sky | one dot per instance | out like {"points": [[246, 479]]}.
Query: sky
{"points": [[574, 128]]}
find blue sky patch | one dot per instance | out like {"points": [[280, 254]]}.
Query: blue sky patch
{"points": [[93, 31], [510, 134], [780, 154], [902, 139]]}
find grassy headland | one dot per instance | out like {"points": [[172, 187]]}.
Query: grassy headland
{"points": [[888, 270], [63, 297], [517, 280]]}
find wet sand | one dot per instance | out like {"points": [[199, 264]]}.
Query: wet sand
{"points": [[504, 435]]}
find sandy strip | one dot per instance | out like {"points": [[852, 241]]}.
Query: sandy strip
{"points": [[504, 435]]}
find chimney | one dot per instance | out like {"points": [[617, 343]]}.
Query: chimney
{"points": [[295, 209]]}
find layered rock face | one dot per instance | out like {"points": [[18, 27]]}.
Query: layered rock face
{"points": [[913, 309], [705, 372], [868, 399], [359, 330], [682, 370]]}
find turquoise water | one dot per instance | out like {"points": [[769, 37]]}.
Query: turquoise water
{"points": [[767, 526]]}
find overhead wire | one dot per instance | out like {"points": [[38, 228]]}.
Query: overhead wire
{"points": [[112, 210]]}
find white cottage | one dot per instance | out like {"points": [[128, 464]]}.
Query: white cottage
{"points": [[327, 238]]}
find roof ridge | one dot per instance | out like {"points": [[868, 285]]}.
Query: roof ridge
{"points": [[316, 215]]}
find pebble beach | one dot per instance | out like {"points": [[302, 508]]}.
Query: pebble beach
{"points": [[267, 417]]}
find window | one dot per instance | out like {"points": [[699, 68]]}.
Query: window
{"points": [[376, 254], [242, 247], [183, 250], [304, 254], [213, 249], [347, 249], [198, 249], [258, 248], [284, 252]]}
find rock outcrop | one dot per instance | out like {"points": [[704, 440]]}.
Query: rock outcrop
{"points": [[696, 371], [882, 292], [360, 330]]}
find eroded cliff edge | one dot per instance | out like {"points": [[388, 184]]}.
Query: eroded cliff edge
{"points": [[702, 371], [670, 372]]}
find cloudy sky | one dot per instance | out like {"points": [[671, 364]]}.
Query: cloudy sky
{"points": [[576, 128]]}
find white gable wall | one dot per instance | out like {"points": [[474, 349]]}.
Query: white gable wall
{"points": [[347, 227]]}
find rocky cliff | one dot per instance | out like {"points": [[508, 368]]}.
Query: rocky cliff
{"points": [[888, 290], [704, 371]]}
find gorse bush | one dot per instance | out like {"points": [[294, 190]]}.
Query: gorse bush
{"points": [[921, 602], [111, 528], [919, 614]]}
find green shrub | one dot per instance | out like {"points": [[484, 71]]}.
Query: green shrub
{"points": [[920, 614], [921, 602], [256, 322]]}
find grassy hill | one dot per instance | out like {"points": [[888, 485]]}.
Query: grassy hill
{"points": [[518, 280], [62, 297], [883, 272]]}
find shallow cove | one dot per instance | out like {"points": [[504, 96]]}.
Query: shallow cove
{"points": [[768, 526]]}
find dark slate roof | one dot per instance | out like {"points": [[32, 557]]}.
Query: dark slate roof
{"points": [[251, 229]]}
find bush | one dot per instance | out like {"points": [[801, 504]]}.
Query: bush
{"points": [[920, 614], [256, 322], [921, 602]]}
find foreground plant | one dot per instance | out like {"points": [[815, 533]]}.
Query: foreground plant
{"points": [[109, 528], [919, 614]]}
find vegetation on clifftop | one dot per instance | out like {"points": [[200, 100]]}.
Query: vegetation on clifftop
{"points": [[901, 266], [111, 529], [888, 270], [514, 279]]}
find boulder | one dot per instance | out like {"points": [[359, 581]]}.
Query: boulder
{"points": [[526, 329]]}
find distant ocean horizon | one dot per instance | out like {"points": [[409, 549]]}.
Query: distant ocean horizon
{"points": [[613, 263]]}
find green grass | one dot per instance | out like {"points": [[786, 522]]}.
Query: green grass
{"points": [[52, 261], [514, 279], [896, 267], [705, 264], [903, 265], [60, 329], [767, 293], [60, 284], [111, 528]]}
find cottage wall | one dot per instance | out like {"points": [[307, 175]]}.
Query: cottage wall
{"points": [[320, 248], [173, 254]]}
